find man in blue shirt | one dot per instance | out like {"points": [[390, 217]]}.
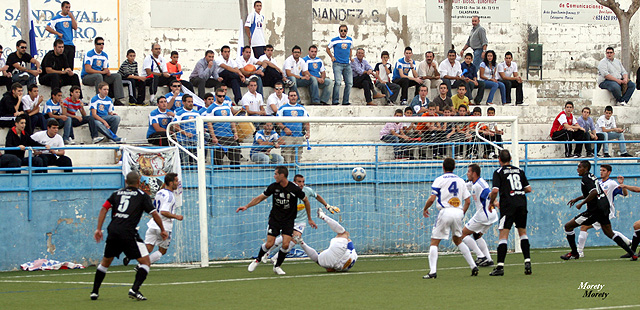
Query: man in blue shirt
{"points": [[401, 74], [264, 141], [471, 78], [62, 25], [341, 57], [159, 120], [293, 133], [101, 108], [317, 71], [585, 121], [95, 69], [223, 134]]}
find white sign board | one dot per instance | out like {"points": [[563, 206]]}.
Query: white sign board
{"points": [[494, 11], [95, 19], [576, 12]]}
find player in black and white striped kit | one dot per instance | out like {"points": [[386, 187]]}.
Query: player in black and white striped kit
{"points": [[127, 205], [512, 185]]}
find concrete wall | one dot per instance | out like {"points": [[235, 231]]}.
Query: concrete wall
{"points": [[382, 213]]}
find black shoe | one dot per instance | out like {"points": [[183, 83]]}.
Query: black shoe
{"points": [[474, 271], [486, 263], [606, 155], [576, 155], [118, 103], [430, 276], [132, 100], [589, 154], [335, 103], [567, 155], [527, 268], [136, 295], [627, 255], [626, 155], [125, 261], [497, 272], [570, 255], [94, 296], [480, 260]]}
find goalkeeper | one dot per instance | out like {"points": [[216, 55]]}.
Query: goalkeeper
{"points": [[301, 218]]}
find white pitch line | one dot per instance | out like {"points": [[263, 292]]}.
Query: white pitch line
{"points": [[60, 282], [612, 307], [300, 276]]}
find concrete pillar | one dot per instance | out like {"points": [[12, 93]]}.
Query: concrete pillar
{"points": [[298, 25]]}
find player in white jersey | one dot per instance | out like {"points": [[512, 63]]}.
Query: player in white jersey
{"points": [[165, 204], [611, 189], [449, 190], [301, 218], [482, 220], [341, 254]]}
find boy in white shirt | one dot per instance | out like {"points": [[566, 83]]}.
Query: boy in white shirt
{"points": [[607, 124]]}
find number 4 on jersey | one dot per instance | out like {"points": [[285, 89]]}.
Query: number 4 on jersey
{"points": [[453, 188]]}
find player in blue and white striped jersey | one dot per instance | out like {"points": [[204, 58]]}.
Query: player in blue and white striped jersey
{"points": [[482, 220], [449, 190], [293, 133]]}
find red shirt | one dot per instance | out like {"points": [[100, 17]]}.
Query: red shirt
{"points": [[561, 119], [171, 68]]}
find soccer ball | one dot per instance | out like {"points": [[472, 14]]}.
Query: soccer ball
{"points": [[358, 173]]}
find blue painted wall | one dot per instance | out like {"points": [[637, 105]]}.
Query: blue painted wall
{"points": [[382, 215]]}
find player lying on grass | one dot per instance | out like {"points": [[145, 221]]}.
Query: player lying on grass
{"points": [[611, 188], [126, 206], [482, 220], [598, 209], [341, 254], [300, 222], [165, 203], [282, 216], [636, 226]]}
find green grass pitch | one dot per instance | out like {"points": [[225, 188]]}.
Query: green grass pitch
{"points": [[391, 282]]}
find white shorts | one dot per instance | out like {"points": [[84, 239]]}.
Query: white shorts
{"points": [[478, 226], [299, 227], [336, 255], [154, 237], [448, 219]]}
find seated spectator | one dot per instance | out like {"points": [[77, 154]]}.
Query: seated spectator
{"points": [[401, 71], [293, 133], [297, 72], [393, 133], [174, 96], [410, 128], [228, 70], [129, 73], [430, 132], [175, 69], [382, 72], [223, 134], [95, 70], [272, 73], [205, 74], [606, 124], [10, 100], [246, 59], [362, 77], [53, 141], [74, 110], [451, 72], [508, 71], [9, 161], [471, 78], [252, 101], [586, 122], [495, 134], [155, 68], [186, 132], [316, 68], [442, 100], [420, 102], [613, 77], [449, 132], [483, 131], [19, 63], [565, 128], [428, 71], [5, 76], [463, 134], [264, 141], [54, 109], [17, 137], [460, 98], [105, 118], [489, 75], [31, 106], [209, 99], [57, 72], [276, 99]]}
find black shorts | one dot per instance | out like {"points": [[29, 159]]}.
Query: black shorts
{"points": [[512, 215], [277, 227], [133, 248], [589, 217]]}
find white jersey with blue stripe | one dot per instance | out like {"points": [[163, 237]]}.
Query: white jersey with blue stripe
{"points": [[181, 115], [450, 191], [341, 49], [64, 25], [102, 105], [165, 201], [255, 22], [611, 188], [403, 65], [480, 193], [95, 60], [315, 66]]}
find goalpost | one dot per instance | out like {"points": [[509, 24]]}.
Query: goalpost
{"points": [[382, 212]]}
